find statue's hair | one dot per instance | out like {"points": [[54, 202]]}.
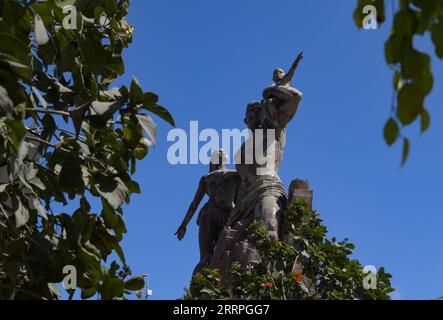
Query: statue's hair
{"points": [[252, 104], [219, 157]]}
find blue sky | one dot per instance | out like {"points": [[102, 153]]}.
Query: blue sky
{"points": [[208, 59]]}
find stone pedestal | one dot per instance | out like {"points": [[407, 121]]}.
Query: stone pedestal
{"points": [[233, 245], [299, 189]]}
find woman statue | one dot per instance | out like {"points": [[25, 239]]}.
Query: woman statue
{"points": [[220, 184]]}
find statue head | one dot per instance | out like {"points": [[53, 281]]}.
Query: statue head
{"points": [[218, 161], [255, 115], [278, 74]]}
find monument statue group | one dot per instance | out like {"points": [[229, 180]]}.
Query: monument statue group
{"points": [[239, 197]]}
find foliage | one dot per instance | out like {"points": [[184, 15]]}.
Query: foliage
{"points": [[67, 136], [413, 78], [323, 268]]}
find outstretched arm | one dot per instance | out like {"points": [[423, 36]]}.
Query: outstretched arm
{"points": [[192, 209], [288, 77]]}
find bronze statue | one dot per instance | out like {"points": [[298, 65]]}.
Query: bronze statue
{"points": [[254, 191], [263, 196], [220, 185]]}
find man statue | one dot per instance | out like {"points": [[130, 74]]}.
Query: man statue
{"points": [[220, 185], [262, 196]]}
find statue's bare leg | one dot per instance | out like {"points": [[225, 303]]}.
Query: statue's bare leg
{"points": [[269, 211], [210, 227]]}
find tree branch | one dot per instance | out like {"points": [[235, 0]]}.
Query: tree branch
{"points": [[41, 110]]}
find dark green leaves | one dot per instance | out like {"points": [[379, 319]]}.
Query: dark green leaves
{"points": [[112, 288], [11, 44], [15, 67], [136, 93], [406, 148], [414, 63], [82, 140], [16, 132], [88, 292], [405, 22], [94, 53], [393, 48], [135, 283], [112, 189], [150, 103], [71, 174], [413, 78], [437, 37], [410, 103], [287, 268], [391, 132], [425, 120]]}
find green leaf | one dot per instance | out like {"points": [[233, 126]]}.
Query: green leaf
{"points": [[115, 64], [53, 287], [157, 109], [71, 173], [133, 186], [88, 292], [148, 125], [40, 99], [41, 35], [5, 102], [108, 214], [17, 132], [9, 43], [112, 189], [425, 120], [135, 283], [118, 249], [106, 110], [415, 63], [394, 48], [135, 93], [149, 99], [13, 65], [424, 81], [410, 102], [404, 22], [94, 55], [21, 215], [437, 37], [391, 131], [406, 148], [140, 153], [41, 210], [112, 288], [46, 53]]}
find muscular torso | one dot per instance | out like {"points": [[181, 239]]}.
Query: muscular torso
{"points": [[221, 186], [245, 169], [279, 106]]}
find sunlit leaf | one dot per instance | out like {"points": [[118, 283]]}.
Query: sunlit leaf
{"points": [[41, 35], [148, 125]]}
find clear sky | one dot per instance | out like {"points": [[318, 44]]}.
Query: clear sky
{"points": [[208, 59]]}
